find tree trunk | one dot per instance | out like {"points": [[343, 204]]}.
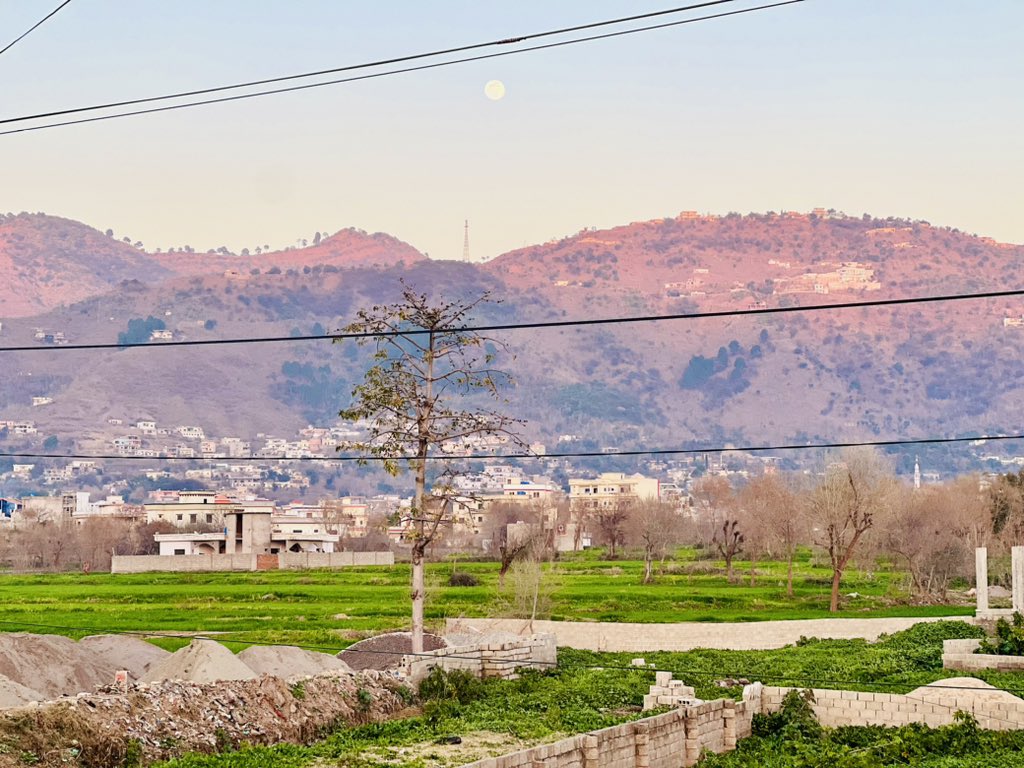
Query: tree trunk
{"points": [[753, 571], [837, 575], [648, 569], [728, 570], [417, 597], [505, 565], [789, 575]]}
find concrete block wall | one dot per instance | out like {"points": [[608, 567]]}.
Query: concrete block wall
{"points": [[960, 654], [994, 709], [247, 562], [306, 560], [673, 739], [486, 659], [685, 636]]}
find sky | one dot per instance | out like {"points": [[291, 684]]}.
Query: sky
{"points": [[906, 108]]}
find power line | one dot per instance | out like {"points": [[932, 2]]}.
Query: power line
{"points": [[31, 29], [536, 325], [367, 65], [388, 73], [556, 455], [682, 672]]}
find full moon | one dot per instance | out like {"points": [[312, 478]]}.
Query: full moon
{"points": [[494, 90]]}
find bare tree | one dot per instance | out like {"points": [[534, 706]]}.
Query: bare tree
{"points": [[714, 501], [656, 527], [611, 523], [413, 402], [729, 543], [773, 504], [845, 506], [516, 532]]}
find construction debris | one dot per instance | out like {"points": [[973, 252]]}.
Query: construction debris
{"points": [[384, 652]]}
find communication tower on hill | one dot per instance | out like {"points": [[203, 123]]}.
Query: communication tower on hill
{"points": [[465, 242]]}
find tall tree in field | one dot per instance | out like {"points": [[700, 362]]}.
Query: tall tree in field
{"points": [[845, 506], [417, 399], [770, 501], [656, 527]]}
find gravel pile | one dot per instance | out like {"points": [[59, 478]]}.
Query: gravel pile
{"points": [[202, 661], [288, 661], [385, 651]]}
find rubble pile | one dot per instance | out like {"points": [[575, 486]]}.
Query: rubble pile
{"points": [[168, 718], [14, 694]]}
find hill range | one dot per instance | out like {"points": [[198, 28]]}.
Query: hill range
{"points": [[918, 370]]}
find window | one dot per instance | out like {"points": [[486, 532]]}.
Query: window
{"points": [[180, 518], [193, 517], [209, 518], [179, 551]]}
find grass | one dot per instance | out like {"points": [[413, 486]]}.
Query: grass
{"points": [[334, 608], [575, 698]]}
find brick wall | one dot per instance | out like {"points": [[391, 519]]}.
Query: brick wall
{"points": [[685, 636], [486, 659]]}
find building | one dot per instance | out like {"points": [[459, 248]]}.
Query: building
{"points": [[610, 489], [252, 531], [190, 508]]}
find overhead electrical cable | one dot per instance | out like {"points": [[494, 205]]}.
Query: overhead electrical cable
{"points": [[32, 29], [390, 72], [528, 455], [366, 65], [534, 325]]}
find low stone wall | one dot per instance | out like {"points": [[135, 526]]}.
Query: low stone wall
{"points": [[932, 705], [960, 654], [754, 635], [249, 562], [664, 741], [486, 659]]}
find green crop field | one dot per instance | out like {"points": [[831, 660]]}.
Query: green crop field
{"points": [[334, 608]]}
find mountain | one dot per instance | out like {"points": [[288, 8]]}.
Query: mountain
{"points": [[908, 371]]}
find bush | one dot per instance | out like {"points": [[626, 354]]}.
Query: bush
{"points": [[1009, 639], [458, 685], [463, 579]]}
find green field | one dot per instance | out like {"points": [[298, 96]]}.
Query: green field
{"points": [[334, 608]]}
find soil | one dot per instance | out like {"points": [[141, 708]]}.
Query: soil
{"points": [[289, 662], [125, 652], [201, 661], [53, 665], [13, 694], [386, 651]]}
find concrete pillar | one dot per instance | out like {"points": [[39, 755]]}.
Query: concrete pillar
{"points": [[981, 578], [1017, 571], [729, 726], [641, 740], [691, 750], [591, 753]]}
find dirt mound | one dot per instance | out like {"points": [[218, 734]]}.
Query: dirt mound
{"points": [[287, 661], [13, 694], [125, 652], [202, 661], [386, 651], [53, 665]]}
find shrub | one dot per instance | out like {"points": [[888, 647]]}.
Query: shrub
{"points": [[458, 685], [463, 579], [1009, 639]]}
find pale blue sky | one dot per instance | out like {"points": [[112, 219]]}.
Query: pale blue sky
{"points": [[895, 107]]}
